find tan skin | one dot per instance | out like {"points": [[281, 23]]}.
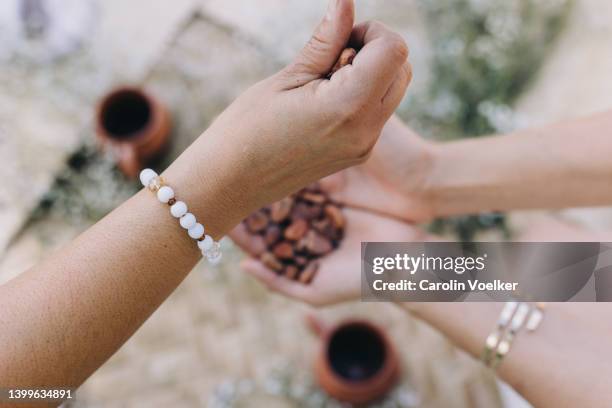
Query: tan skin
{"points": [[64, 318], [561, 165], [565, 363]]}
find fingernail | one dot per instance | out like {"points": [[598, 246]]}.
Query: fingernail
{"points": [[331, 9]]}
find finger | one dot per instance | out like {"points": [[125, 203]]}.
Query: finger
{"points": [[381, 57], [342, 186], [254, 245], [319, 56], [275, 282], [334, 183], [397, 90]]}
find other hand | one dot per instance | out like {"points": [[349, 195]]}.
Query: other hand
{"points": [[393, 180], [338, 278]]}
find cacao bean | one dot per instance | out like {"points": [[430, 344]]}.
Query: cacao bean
{"points": [[305, 211], [346, 58], [291, 272], [272, 235], [309, 272], [301, 246], [326, 229], [335, 215], [317, 244], [322, 225], [257, 221], [268, 259], [280, 210], [284, 250], [296, 230], [315, 198]]}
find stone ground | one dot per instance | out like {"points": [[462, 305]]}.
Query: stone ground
{"points": [[221, 339]]}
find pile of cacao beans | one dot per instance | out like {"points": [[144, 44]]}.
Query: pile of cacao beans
{"points": [[296, 232]]}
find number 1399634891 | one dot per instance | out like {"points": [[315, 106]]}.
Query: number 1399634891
{"points": [[26, 394]]}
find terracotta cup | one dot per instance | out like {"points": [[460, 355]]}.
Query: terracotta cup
{"points": [[134, 126], [357, 362]]}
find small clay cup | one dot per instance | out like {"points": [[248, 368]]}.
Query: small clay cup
{"points": [[134, 126], [357, 363]]}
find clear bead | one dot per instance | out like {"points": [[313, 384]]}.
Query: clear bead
{"points": [[213, 252], [215, 260], [156, 183]]}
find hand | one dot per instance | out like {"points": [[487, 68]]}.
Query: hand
{"points": [[393, 181], [338, 278], [297, 126]]}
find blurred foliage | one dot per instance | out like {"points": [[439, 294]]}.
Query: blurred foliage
{"points": [[485, 53], [88, 188]]}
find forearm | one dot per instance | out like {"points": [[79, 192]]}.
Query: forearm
{"points": [[560, 364], [62, 319], [558, 166]]}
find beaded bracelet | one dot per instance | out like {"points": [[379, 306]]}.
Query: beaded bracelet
{"points": [[165, 194]]}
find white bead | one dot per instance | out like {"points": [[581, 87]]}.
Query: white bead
{"points": [[165, 194], [215, 260], [188, 220], [146, 176], [206, 244], [196, 231], [178, 209]]}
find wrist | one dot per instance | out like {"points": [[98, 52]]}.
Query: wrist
{"points": [[471, 176], [203, 177], [447, 188], [431, 177], [421, 186]]}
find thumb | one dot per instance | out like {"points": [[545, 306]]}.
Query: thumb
{"points": [[330, 38]]}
